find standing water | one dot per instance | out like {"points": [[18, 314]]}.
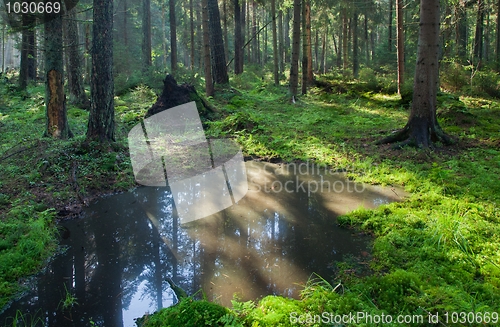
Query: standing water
{"points": [[119, 254]]}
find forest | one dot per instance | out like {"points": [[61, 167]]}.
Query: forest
{"points": [[401, 96]]}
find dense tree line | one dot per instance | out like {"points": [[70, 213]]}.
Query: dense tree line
{"points": [[212, 37]]}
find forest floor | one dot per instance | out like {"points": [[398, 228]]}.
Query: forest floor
{"points": [[435, 252]]}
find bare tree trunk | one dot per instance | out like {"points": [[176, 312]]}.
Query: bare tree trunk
{"points": [[77, 94], [244, 30], [280, 42], [173, 36], [389, 34], [400, 44], [498, 38], [344, 39], [478, 37], [461, 31], [146, 30], [191, 32], [304, 49], [367, 42], [309, 67], [238, 42], [275, 44], [287, 36], [55, 100], [355, 48], [255, 46], [27, 51], [422, 128], [294, 70], [316, 50], [224, 21], [219, 68], [102, 111], [209, 87], [323, 52]]}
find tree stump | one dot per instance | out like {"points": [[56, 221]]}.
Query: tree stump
{"points": [[174, 95]]}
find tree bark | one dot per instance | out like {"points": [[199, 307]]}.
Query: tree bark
{"points": [[275, 44], [294, 70], [27, 69], [209, 86], [400, 43], [219, 69], [309, 71], [355, 48], [173, 36], [323, 52], [101, 124], [77, 94], [226, 42], [146, 32], [344, 40], [422, 128], [281, 41], [255, 46], [498, 38], [461, 31], [191, 32], [389, 34], [305, 53], [55, 102], [238, 40], [478, 37]]}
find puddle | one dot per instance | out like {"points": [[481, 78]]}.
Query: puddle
{"points": [[122, 249]]}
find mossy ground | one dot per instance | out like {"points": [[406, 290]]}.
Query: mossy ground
{"points": [[435, 252]]}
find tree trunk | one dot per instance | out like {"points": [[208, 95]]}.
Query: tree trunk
{"points": [[461, 31], [323, 52], [367, 42], [27, 70], [344, 40], [400, 43], [219, 69], [316, 50], [422, 128], [244, 30], [355, 49], [209, 86], [255, 46], [77, 94], [305, 53], [281, 48], [309, 66], [238, 44], [287, 58], [478, 37], [55, 101], [173, 36], [275, 44], [224, 21], [294, 70], [191, 32], [389, 34], [498, 38], [102, 111], [146, 32]]}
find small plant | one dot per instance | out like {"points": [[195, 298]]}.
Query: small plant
{"points": [[69, 300]]}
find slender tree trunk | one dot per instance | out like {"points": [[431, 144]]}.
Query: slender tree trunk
{"points": [[27, 51], [422, 128], [200, 35], [316, 50], [238, 44], [304, 48], [461, 31], [77, 94], [146, 32], [294, 70], [323, 52], [164, 35], [244, 30], [400, 44], [344, 40], [275, 44], [224, 21], [173, 36], [125, 23], [389, 34], [478, 37], [309, 71], [281, 41], [498, 38], [355, 48], [191, 32], [255, 46], [367, 42], [287, 36], [209, 87], [102, 111], [219, 69], [55, 100]]}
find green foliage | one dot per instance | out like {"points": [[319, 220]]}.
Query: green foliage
{"points": [[189, 313]]}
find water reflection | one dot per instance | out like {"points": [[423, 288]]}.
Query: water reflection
{"points": [[124, 247]]}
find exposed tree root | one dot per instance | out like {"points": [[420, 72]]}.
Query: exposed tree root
{"points": [[419, 136]]}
